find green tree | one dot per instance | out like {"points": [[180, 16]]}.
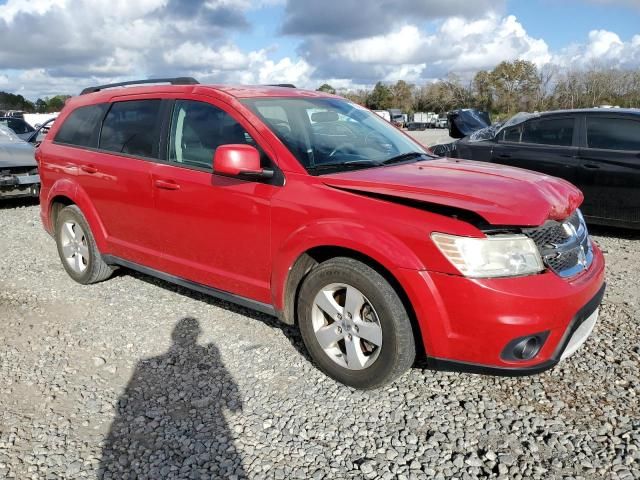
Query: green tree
{"points": [[55, 104], [325, 87], [515, 84], [380, 98], [402, 96]]}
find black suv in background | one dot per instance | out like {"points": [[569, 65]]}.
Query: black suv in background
{"points": [[596, 149]]}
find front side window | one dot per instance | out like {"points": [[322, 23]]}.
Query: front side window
{"points": [[613, 134], [131, 128], [331, 134], [82, 126], [552, 131], [512, 134], [198, 129]]}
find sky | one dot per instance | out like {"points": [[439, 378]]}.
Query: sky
{"points": [[50, 47]]}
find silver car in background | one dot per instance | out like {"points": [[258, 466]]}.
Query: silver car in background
{"points": [[18, 168]]}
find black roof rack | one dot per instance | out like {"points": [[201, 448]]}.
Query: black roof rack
{"points": [[172, 81], [286, 85]]}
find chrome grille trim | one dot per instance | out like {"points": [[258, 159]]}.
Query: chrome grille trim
{"points": [[564, 246]]}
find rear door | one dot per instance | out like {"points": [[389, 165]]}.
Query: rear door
{"points": [[117, 177], [610, 168], [547, 145], [213, 230]]}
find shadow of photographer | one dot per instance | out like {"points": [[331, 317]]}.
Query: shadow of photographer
{"points": [[170, 420]]}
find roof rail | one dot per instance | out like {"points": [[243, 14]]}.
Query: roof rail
{"points": [[286, 85], [172, 81]]}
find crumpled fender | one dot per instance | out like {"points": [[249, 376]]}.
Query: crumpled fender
{"points": [[377, 244]]}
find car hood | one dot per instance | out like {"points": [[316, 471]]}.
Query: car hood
{"points": [[501, 195], [465, 121], [18, 154]]}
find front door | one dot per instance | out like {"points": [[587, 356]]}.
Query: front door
{"points": [[610, 169], [213, 230], [543, 145]]}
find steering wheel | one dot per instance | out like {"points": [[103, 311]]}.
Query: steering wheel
{"points": [[340, 147], [377, 141]]}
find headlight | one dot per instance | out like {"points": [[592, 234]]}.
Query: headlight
{"points": [[497, 256]]}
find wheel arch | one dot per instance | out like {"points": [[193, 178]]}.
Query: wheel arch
{"points": [[65, 193], [314, 256]]}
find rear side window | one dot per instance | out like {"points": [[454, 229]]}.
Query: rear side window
{"points": [[552, 131], [198, 129], [613, 134], [131, 127], [82, 126]]}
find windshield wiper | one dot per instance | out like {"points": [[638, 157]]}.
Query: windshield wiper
{"points": [[346, 165], [404, 157]]}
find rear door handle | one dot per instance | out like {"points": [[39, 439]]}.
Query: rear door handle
{"points": [[166, 184], [591, 166], [88, 169], [504, 155]]}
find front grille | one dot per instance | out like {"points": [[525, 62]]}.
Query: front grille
{"points": [[564, 246]]}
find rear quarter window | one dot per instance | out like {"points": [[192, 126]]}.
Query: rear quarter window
{"points": [[82, 127]]}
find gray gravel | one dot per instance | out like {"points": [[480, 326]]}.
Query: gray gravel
{"points": [[135, 378]]}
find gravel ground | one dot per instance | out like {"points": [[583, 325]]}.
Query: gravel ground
{"points": [[136, 378]]}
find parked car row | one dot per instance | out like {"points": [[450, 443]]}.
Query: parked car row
{"points": [[598, 150], [311, 208]]}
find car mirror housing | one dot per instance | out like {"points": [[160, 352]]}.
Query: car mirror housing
{"points": [[239, 160]]}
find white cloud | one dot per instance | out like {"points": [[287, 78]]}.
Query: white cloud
{"points": [[75, 43], [459, 45]]}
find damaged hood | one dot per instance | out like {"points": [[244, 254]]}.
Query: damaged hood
{"points": [[15, 152], [501, 195], [465, 121]]}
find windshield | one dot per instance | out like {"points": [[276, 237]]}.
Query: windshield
{"points": [[331, 134], [7, 135]]}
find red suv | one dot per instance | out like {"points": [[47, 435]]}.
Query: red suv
{"points": [[309, 207]]}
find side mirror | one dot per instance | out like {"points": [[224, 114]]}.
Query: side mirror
{"points": [[238, 160]]}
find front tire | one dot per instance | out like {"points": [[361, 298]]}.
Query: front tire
{"points": [[354, 324], [77, 248]]}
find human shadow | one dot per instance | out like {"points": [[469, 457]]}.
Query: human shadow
{"points": [[170, 419]]}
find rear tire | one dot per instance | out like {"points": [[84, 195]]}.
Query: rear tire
{"points": [[77, 248], [354, 324]]}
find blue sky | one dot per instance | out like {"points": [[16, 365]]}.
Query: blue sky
{"points": [[564, 22], [348, 43]]}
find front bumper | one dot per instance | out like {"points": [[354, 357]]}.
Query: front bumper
{"points": [[466, 323], [575, 335]]}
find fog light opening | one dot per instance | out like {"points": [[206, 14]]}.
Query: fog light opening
{"points": [[527, 349], [524, 348]]}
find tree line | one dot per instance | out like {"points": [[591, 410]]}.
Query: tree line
{"points": [[10, 101], [509, 88]]}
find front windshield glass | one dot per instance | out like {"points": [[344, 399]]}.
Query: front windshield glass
{"points": [[331, 134], [7, 135]]}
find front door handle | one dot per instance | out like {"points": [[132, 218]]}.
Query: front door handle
{"points": [[591, 166], [166, 184], [88, 169], [504, 155]]}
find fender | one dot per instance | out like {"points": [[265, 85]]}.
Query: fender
{"points": [[65, 187], [377, 244]]}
